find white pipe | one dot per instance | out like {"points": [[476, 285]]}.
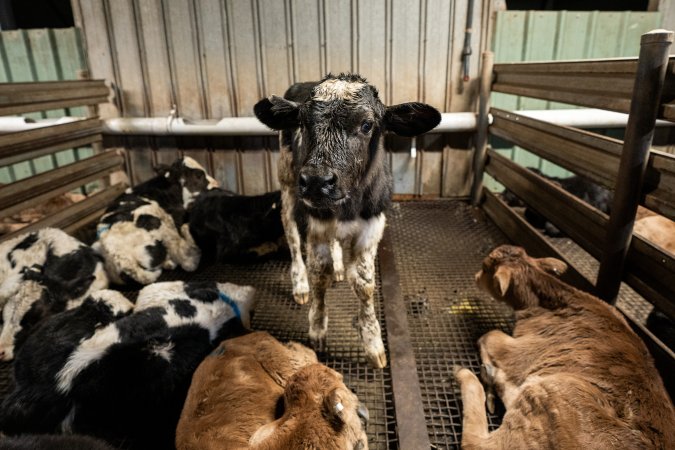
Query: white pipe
{"points": [[585, 118], [229, 126], [16, 123], [250, 126]]}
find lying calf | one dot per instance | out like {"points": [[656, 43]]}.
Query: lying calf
{"points": [[143, 231], [254, 392], [231, 227], [36, 405], [41, 273], [573, 376], [126, 380]]}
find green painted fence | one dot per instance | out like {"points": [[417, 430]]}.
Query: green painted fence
{"points": [[561, 35], [42, 55]]}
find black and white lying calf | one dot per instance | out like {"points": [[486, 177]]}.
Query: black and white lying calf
{"points": [[144, 230], [229, 227], [333, 170], [41, 273], [106, 370]]}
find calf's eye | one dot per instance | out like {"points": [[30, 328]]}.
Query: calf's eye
{"points": [[366, 127]]}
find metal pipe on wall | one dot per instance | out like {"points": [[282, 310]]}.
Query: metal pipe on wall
{"points": [[250, 126]]}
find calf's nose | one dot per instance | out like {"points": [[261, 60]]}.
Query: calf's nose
{"points": [[314, 184]]}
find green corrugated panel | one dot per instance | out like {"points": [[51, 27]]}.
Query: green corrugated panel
{"points": [[561, 35], [42, 55]]}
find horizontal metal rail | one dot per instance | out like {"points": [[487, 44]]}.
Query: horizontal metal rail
{"points": [[23, 145], [37, 189], [77, 215], [17, 98], [588, 154]]}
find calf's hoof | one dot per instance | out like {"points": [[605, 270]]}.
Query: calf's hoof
{"points": [[318, 343], [301, 297], [377, 360], [462, 374], [338, 275]]}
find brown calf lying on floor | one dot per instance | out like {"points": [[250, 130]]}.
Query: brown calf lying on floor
{"points": [[573, 376], [253, 392]]}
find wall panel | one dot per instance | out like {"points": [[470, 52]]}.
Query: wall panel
{"points": [[217, 58]]}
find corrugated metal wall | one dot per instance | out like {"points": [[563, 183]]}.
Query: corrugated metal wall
{"points": [[558, 35], [42, 55], [217, 58]]}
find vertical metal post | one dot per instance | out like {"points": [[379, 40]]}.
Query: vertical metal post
{"points": [[480, 148], [649, 78]]}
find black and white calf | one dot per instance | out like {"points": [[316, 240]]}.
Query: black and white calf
{"points": [[333, 171], [122, 375], [41, 273], [144, 230], [229, 227]]}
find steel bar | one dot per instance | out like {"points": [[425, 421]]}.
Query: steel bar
{"points": [[480, 144], [411, 427], [649, 79]]}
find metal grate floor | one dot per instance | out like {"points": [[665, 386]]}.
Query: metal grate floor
{"points": [[438, 246]]}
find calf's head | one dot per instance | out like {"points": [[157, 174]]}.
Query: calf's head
{"points": [[508, 272], [191, 176], [340, 127], [319, 412]]}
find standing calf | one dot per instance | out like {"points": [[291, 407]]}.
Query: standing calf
{"points": [[334, 174], [573, 376]]}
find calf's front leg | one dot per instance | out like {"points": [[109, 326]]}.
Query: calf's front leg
{"points": [[474, 420], [298, 270], [361, 276], [320, 270]]}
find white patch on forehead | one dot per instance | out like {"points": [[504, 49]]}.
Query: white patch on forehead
{"points": [[337, 90]]}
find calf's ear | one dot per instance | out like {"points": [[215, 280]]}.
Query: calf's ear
{"points": [[333, 408], [502, 280], [277, 113], [411, 119]]}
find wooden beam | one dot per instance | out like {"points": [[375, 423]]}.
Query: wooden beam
{"points": [[590, 155], [23, 145], [583, 223], [17, 98], [37, 189], [77, 215]]}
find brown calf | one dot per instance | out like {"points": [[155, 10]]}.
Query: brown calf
{"points": [[253, 392], [573, 376]]}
